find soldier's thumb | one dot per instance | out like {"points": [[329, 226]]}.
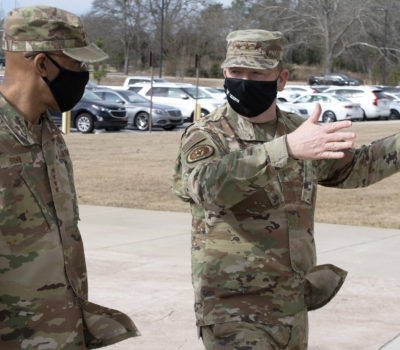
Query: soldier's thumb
{"points": [[315, 114]]}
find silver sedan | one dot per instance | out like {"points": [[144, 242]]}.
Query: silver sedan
{"points": [[138, 109]]}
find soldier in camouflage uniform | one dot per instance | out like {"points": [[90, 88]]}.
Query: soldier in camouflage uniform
{"points": [[43, 282], [250, 173]]}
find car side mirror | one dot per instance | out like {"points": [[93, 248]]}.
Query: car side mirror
{"points": [[120, 102], [184, 97]]}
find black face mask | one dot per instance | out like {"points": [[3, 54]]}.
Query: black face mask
{"points": [[67, 87], [250, 98]]}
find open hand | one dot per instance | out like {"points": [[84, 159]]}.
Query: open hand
{"points": [[313, 141]]}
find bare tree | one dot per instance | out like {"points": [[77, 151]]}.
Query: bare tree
{"points": [[360, 34], [128, 17], [179, 19], [381, 25], [325, 23]]}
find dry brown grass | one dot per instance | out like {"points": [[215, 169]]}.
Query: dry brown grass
{"points": [[134, 170]]}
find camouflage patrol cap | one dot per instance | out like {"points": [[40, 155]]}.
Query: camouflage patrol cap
{"points": [[253, 48], [45, 28]]}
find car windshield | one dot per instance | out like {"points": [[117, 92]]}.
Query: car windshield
{"points": [[397, 96], [91, 85], [89, 95], [192, 92], [212, 90], [133, 97], [340, 98], [379, 93]]}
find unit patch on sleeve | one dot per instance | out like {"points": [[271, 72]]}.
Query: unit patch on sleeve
{"points": [[199, 153]]}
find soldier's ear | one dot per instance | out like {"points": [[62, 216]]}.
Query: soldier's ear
{"points": [[41, 64], [283, 77], [224, 71]]}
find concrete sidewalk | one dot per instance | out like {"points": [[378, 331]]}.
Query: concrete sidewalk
{"points": [[139, 262]]}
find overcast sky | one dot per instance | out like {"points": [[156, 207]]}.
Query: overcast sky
{"points": [[76, 6]]}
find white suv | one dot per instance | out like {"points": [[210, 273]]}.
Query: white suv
{"points": [[372, 99], [291, 92], [132, 80], [181, 96]]}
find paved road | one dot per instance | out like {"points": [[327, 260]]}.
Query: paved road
{"points": [[139, 262]]}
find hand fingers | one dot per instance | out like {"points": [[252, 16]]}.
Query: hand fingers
{"points": [[340, 136], [338, 146], [315, 114], [332, 127], [331, 155]]}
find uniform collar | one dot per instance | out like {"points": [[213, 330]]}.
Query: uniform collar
{"points": [[245, 129], [17, 125]]}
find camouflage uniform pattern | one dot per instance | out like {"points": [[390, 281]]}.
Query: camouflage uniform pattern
{"points": [[43, 282], [45, 28], [257, 336], [253, 250], [254, 49]]}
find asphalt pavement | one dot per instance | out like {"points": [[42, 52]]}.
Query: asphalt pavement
{"points": [[139, 262]]}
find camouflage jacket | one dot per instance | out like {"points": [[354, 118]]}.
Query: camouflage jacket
{"points": [[43, 282], [253, 251]]}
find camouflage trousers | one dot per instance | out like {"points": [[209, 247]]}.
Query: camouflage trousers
{"points": [[257, 336]]}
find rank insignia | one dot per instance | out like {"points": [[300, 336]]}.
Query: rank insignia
{"points": [[199, 153]]}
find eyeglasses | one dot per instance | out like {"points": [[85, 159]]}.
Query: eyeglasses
{"points": [[80, 65]]}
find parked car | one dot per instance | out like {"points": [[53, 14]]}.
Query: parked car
{"points": [[181, 96], [394, 99], [292, 108], [138, 79], [333, 107], [291, 92], [91, 112], [138, 109], [390, 89], [320, 88], [91, 85], [214, 93], [372, 100], [333, 79]]}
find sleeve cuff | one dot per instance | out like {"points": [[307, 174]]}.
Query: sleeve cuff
{"points": [[277, 152]]}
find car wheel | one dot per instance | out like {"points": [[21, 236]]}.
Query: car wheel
{"points": [[169, 127], [84, 123], [328, 117], [364, 117], [394, 114], [204, 112], [142, 121]]}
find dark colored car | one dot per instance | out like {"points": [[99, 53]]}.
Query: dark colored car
{"points": [[91, 112], [333, 79]]}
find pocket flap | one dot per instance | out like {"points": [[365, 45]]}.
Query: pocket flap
{"points": [[322, 284], [104, 326]]}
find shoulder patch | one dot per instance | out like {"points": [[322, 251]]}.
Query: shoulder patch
{"points": [[194, 139], [199, 153]]}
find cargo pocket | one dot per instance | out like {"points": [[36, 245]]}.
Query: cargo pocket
{"points": [[24, 214], [34, 190], [322, 284]]}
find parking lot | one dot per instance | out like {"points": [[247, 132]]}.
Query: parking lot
{"points": [[182, 127]]}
